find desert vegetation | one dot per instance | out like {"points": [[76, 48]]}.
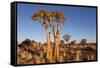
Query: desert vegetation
{"points": [[32, 52], [60, 50]]}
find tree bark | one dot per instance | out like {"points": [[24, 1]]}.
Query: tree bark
{"points": [[56, 45], [49, 48]]}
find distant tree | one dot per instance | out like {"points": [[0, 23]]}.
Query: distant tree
{"points": [[73, 42], [27, 42], [40, 43], [83, 41], [62, 42], [27, 45], [33, 41], [66, 37]]}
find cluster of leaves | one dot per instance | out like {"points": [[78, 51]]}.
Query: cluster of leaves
{"points": [[47, 18]]}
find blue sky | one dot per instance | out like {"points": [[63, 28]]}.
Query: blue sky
{"points": [[80, 22]]}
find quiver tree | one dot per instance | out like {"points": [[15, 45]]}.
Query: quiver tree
{"points": [[50, 19], [41, 17], [56, 18]]}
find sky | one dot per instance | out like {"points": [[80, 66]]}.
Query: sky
{"points": [[80, 22]]}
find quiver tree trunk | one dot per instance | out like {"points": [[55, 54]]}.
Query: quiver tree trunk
{"points": [[56, 48], [49, 48], [56, 45]]}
